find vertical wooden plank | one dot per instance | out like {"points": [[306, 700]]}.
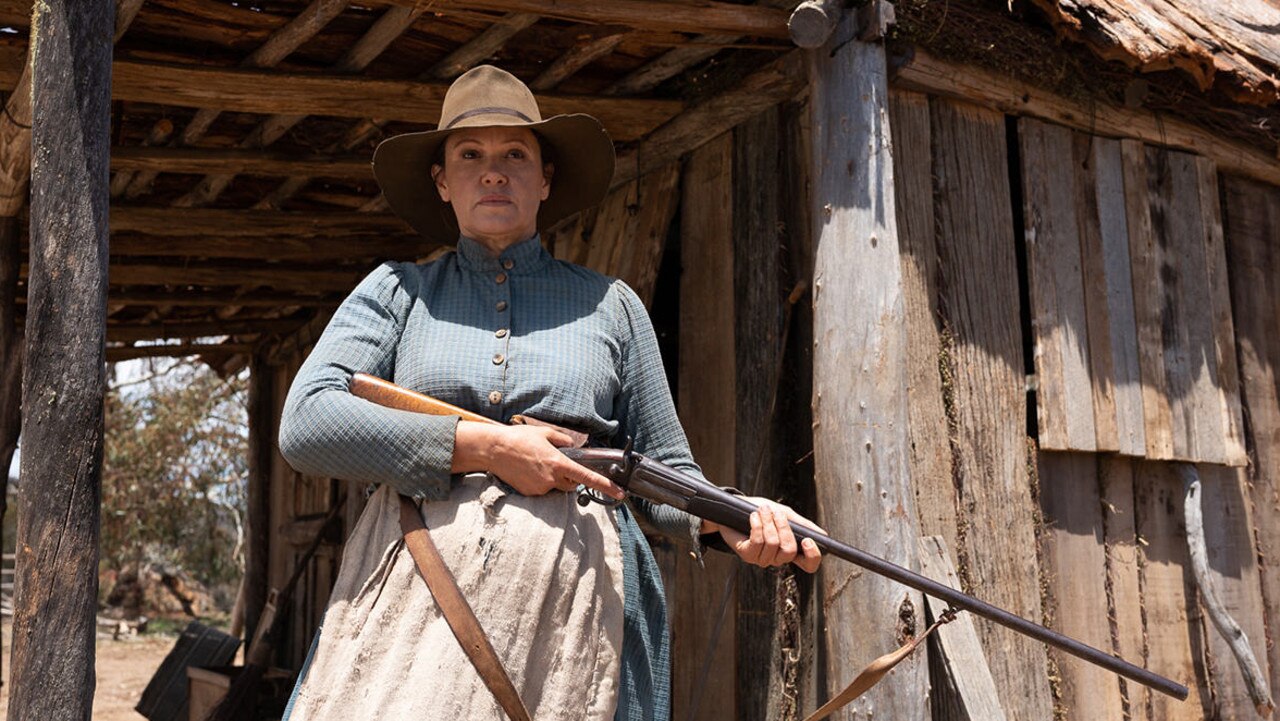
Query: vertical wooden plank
{"points": [[930, 457], [11, 348], [262, 417], [975, 221], [1190, 360], [1118, 292], [1076, 571], [1227, 379], [1128, 637], [758, 302], [707, 382], [639, 250], [973, 695], [859, 371], [1252, 219], [1148, 289], [1175, 631], [64, 380], [1064, 399], [1093, 267], [1233, 565]]}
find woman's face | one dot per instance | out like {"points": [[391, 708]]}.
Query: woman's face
{"points": [[495, 180]]}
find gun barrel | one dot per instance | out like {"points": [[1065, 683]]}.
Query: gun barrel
{"points": [[718, 505]]}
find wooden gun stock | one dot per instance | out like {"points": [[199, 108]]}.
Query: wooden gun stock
{"points": [[385, 393], [390, 395]]}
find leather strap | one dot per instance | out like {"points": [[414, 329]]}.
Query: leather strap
{"points": [[875, 671], [457, 612]]}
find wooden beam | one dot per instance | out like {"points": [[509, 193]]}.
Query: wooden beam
{"points": [[594, 44], [250, 162], [11, 349], [169, 222], [279, 45], [859, 371], [258, 514], [375, 40], [778, 81], [216, 274], [703, 16], [132, 332], [63, 383], [238, 89], [984, 87], [281, 248], [115, 354], [218, 299]]}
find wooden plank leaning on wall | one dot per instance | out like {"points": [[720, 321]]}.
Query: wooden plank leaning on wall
{"points": [[1252, 218], [980, 298]]}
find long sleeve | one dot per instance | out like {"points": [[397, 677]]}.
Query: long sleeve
{"points": [[647, 414], [326, 431]]}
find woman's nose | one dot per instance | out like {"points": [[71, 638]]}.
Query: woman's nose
{"points": [[492, 176]]}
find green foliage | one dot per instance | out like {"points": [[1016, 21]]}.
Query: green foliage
{"points": [[174, 473]]}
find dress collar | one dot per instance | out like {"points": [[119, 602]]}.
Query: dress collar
{"points": [[524, 257]]}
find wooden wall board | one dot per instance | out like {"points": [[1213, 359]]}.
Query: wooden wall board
{"points": [[1175, 630], [1189, 354], [706, 381], [930, 457], [975, 220], [1113, 298], [1076, 574], [1252, 219], [1222, 325], [1233, 566], [1128, 636], [1145, 259], [1093, 271], [1064, 397]]}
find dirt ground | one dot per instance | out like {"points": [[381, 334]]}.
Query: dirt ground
{"points": [[124, 668]]}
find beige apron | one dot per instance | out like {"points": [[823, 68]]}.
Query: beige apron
{"points": [[544, 577]]}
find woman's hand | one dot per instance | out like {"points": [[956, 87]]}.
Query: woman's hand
{"points": [[527, 458], [771, 543]]}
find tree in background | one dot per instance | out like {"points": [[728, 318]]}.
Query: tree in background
{"points": [[175, 471]]}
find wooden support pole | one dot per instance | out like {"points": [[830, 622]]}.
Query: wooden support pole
{"points": [[859, 374], [261, 427], [10, 359], [64, 379]]}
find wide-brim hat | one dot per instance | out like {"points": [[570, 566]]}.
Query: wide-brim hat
{"points": [[486, 96]]}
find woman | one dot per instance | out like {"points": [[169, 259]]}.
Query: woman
{"points": [[569, 595]]}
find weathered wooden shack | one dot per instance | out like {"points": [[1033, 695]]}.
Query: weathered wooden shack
{"points": [[979, 284]]}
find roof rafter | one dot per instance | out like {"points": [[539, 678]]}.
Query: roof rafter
{"points": [[700, 17]]}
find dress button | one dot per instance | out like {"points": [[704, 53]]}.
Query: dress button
{"points": [[508, 264], [495, 397], [501, 333], [500, 278], [498, 358], [501, 306]]}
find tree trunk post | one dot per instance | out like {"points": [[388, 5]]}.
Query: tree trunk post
{"points": [[258, 534], [64, 378], [859, 375]]}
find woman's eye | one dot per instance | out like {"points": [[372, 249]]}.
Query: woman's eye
{"points": [[470, 154], [517, 154]]}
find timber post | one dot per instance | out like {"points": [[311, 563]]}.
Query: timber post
{"points": [[64, 378], [258, 532], [859, 374]]}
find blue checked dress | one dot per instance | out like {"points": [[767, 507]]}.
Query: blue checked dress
{"points": [[522, 333]]}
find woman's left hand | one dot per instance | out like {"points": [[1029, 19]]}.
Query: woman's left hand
{"points": [[771, 543]]}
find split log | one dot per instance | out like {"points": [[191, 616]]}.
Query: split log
{"points": [[859, 372], [700, 17], [218, 299], [64, 380], [125, 333], [175, 350], [250, 162], [258, 516], [239, 89], [282, 248], [169, 222], [595, 43], [220, 274], [813, 21]]}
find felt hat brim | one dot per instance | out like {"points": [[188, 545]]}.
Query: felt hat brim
{"points": [[581, 150]]}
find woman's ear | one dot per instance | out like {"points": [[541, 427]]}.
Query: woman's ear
{"points": [[437, 176], [548, 170]]}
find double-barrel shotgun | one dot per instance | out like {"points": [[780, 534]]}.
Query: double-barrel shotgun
{"points": [[657, 482]]}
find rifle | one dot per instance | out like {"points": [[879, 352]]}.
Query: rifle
{"points": [[660, 483]]}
